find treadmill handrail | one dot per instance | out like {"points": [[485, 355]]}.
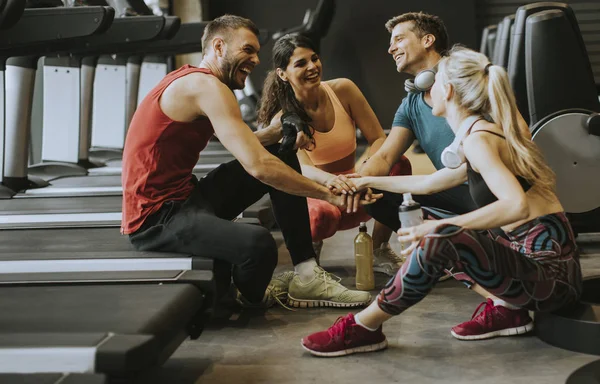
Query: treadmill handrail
{"points": [[129, 29], [186, 40], [124, 33], [106, 45], [27, 37]]}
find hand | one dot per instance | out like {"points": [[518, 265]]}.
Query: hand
{"points": [[340, 184], [357, 180], [413, 235], [304, 141], [353, 202], [339, 201], [292, 125]]}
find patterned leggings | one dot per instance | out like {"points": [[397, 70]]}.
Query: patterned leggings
{"points": [[535, 266]]}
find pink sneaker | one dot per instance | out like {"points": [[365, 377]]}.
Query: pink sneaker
{"points": [[494, 321], [344, 337]]}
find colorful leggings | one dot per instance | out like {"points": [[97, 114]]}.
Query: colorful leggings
{"points": [[535, 266], [326, 219]]}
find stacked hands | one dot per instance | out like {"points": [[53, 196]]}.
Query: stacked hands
{"points": [[354, 191], [349, 191]]}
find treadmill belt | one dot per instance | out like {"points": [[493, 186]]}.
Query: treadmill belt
{"points": [[159, 310], [52, 378], [99, 180], [202, 278], [55, 205], [88, 181], [101, 241]]}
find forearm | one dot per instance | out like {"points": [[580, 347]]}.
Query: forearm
{"points": [[373, 148], [417, 185], [498, 214], [277, 174], [269, 135], [375, 166], [315, 174]]}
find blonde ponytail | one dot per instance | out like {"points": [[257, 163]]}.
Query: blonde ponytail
{"points": [[524, 154], [484, 89]]}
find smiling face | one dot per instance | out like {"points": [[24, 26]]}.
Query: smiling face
{"points": [[408, 50], [240, 57], [304, 69]]}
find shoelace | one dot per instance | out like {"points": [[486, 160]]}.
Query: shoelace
{"points": [[391, 255], [328, 278], [339, 327], [285, 276], [277, 296], [487, 310]]}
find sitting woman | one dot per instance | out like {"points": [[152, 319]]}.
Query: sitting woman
{"points": [[532, 264], [332, 108]]}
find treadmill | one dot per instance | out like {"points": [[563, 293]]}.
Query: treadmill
{"points": [[63, 123], [100, 209], [119, 245], [28, 47], [115, 329]]}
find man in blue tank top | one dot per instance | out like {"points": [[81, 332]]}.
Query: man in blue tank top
{"points": [[417, 43]]}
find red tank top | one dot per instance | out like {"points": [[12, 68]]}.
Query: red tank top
{"points": [[159, 155]]}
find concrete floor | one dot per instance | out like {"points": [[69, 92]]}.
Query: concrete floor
{"points": [[264, 347]]}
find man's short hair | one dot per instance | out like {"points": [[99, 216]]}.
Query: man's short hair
{"points": [[424, 24], [225, 24]]}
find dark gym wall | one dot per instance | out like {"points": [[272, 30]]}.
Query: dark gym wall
{"points": [[587, 12], [357, 42]]}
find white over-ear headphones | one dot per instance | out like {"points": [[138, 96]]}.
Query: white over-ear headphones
{"points": [[453, 155], [422, 82]]}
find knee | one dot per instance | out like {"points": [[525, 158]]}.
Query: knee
{"points": [[324, 219], [401, 168], [433, 248], [261, 248]]}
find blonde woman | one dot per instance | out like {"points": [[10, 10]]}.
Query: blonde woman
{"points": [[532, 263]]}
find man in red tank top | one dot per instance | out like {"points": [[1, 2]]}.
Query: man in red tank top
{"points": [[165, 208]]}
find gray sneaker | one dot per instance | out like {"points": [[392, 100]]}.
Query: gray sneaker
{"points": [[324, 290], [386, 261]]}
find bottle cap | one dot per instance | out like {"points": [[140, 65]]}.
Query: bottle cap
{"points": [[408, 208], [362, 227]]}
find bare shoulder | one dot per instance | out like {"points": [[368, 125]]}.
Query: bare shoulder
{"points": [[197, 83], [193, 95], [342, 85], [345, 89], [476, 142], [484, 129]]}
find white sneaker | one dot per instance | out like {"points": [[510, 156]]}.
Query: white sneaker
{"points": [[386, 261]]}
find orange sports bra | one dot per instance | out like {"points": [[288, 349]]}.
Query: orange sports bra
{"points": [[339, 142]]}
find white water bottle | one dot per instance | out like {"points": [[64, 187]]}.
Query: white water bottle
{"points": [[410, 214]]}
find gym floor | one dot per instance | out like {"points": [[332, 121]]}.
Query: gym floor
{"points": [[264, 347]]}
